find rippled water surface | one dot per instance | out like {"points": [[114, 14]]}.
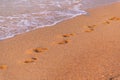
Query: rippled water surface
{"points": [[19, 16]]}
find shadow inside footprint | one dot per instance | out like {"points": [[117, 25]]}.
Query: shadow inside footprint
{"points": [[114, 18], [117, 77], [63, 42], [3, 67], [31, 60], [110, 78], [68, 35], [90, 28], [106, 22], [38, 50], [28, 61]]}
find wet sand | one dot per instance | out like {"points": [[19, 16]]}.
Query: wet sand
{"points": [[83, 48]]}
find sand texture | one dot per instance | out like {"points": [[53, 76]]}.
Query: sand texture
{"points": [[83, 48]]}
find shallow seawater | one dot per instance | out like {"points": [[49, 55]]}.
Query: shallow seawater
{"points": [[20, 16], [94, 3]]}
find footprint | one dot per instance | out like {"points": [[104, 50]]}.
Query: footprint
{"points": [[3, 67], [63, 42], [31, 60], [39, 50], [115, 78], [90, 28], [68, 35], [110, 79], [106, 22], [114, 18], [111, 19], [34, 58]]}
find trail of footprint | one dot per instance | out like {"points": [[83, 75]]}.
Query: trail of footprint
{"points": [[30, 60], [3, 67], [35, 50]]}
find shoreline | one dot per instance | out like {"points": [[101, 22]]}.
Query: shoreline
{"points": [[82, 48], [50, 25], [55, 23]]}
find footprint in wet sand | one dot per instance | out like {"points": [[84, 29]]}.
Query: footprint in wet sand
{"points": [[68, 35], [111, 19], [36, 50], [32, 51], [30, 60], [115, 78], [39, 50], [114, 18], [90, 28], [106, 22], [63, 42], [3, 67], [34, 58], [65, 38]]}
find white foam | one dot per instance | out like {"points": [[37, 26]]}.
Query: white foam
{"points": [[49, 12]]}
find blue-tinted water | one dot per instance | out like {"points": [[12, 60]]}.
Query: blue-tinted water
{"points": [[19, 16]]}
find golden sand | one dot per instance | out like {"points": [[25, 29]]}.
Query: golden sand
{"points": [[83, 48]]}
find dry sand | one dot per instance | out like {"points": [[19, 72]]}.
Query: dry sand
{"points": [[83, 48]]}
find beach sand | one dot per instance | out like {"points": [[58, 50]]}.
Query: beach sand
{"points": [[86, 47]]}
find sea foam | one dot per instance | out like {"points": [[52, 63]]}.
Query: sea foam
{"points": [[27, 15]]}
